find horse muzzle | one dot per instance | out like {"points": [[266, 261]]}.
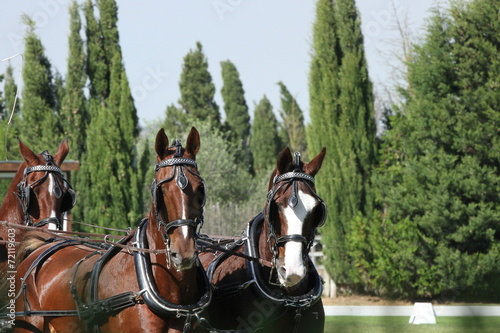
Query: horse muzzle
{"points": [[182, 263]]}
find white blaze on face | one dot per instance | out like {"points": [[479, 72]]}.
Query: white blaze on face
{"points": [[185, 228], [293, 269], [52, 186]]}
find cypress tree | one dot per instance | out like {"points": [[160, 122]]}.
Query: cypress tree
{"points": [[97, 65], [110, 179], [10, 88], [236, 109], [108, 18], [74, 112], [197, 89], [441, 176], [342, 119], [264, 141], [293, 129], [40, 126], [175, 120], [9, 105]]}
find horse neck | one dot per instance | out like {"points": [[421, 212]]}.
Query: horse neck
{"points": [[181, 285]]}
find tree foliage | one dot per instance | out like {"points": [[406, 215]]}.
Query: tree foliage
{"points": [[197, 89], [293, 128], [41, 127], [9, 111], [342, 119], [74, 112], [265, 142], [109, 180], [237, 117], [441, 173]]}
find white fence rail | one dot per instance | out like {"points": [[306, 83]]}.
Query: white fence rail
{"points": [[406, 310]]}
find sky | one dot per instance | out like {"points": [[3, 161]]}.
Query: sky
{"points": [[268, 41]]}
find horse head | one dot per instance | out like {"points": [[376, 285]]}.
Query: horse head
{"points": [[293, 212], [42, 191], [178, 197]]}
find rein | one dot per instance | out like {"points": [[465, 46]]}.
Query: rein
{"points": [[205, 242]]}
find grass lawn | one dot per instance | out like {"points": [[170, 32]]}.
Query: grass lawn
{"points": [[348, 324]]}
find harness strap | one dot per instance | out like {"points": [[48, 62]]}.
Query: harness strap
{"points": [[292, 238], [278, 296], [105, 307], [109, 305], [47, 313], [49, 220], [38, 261], [178, 223], [155, 302], [203, 245]]}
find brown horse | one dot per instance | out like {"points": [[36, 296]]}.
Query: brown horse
{"points": [[38, 195], [153, 284], [271, 285]]}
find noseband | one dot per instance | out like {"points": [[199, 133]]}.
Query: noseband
{"points": [[24, 191], [292, 179]]}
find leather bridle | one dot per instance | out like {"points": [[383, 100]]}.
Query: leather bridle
{"points": [[25, 191], [180, 166], [291, 179]]}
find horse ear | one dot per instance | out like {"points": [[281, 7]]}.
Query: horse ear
{"points": [[62, 152], [284, 161], [193, 142], [313, 167], [27, 154], [161, 144]]}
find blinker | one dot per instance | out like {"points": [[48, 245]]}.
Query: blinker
{"points": [[182, 181]]}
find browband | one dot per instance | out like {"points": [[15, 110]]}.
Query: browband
{"points": [[46, 168], [293, 175], [175, 161]]}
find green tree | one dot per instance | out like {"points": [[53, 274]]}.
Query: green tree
{"points": [[197, 89], [11, 94], [97, 66], [174, 120], [228, 185], [41, 127], [293, 128], [441, 173], [74, 111], [8, 105], [342, 119], [236, 109], [108, 17], [265, 142], [110, 176]]}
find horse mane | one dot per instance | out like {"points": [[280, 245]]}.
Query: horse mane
{"points": [[30, 242]]}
